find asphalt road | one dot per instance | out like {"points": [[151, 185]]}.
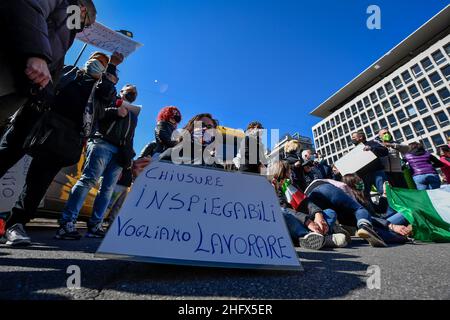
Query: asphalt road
{"points": [[417, 271]]}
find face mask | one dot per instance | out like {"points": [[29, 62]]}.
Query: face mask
{"points": [[203, 137], [94, 68], [387, 137], [360, 186], [130, 97]]}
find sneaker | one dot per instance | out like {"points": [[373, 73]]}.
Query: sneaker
{"points": [[68, 232], [96, 232], [366, 232], [312, 241], [337, 240], [2, 228], [16, 236], [339, 229]]}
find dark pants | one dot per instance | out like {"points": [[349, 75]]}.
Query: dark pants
{"points": [[9, 104], [40, 174], [397, 180]]}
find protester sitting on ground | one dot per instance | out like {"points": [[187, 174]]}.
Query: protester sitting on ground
{"points": [[328, 196], [74, 91], [423, 165], [196, 144], [393, 162], [108, 153], [167, 122], [395, 223], [307, 223], [373, 174], [445, 159], [320, 169], [336, 173], [251, 157]]}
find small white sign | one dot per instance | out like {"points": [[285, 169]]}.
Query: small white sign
{"points": [[104, 38], [202, 217], [355, 160]]}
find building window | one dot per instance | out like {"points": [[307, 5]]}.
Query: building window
{"points": [[378, 110], [444, 94], [395, 102], [345, 127], [349, 140], [398, 136], [446, 72], [325, 139], [357, 122], [360, 105], [383, 124], [335, 134], [427, 144], [427, 64], [407, 131], [392, 120], [417, 71], [371, 114], [438, 57], [407, 76], [397, 82], [413, 91], [343, 118], [364, 118], [343, 143], [340, 131], [429, 124], [332, 123], [437, 141], [386, 106], [389, 87], [354, 111], [418, 127], [373, 97], [442, 118], [436, 79], [381, 93], [433, 102], [348, 113], [338, 120], [328, 150], [411, 111], [352, 125], [368, 132], [424, 85], [404, 96], [447, 134], [376, 127], [328, 126], [447, 49], [401, 115], [421, 106]]}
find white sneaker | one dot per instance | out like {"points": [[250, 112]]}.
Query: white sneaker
{"points": [[337, 240], [16, 236], [312, 241]]}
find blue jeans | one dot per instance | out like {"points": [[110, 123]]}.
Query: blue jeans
{"points": [[377, 179], [427, 181], [298, 230], [398, 219], [328, 196], [100, 161]]}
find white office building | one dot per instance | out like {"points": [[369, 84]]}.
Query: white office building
{"points": [[407, 91]]}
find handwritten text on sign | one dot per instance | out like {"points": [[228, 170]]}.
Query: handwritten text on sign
{"points": [[104, 38], [202, 216]]}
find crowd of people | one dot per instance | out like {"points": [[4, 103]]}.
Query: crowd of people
{"points": [[53, 113]]}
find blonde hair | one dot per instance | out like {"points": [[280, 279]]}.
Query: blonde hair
{"points": [[291, 146]]}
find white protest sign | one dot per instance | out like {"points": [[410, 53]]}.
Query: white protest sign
{"points": [[355, 160], [12, 183], [195, 216], [104, 38]]}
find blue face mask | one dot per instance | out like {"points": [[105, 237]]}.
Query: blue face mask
{"points": [[94, 68]]}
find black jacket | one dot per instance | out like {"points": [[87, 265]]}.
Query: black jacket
{"points": [[163, 135], [305, 213], [34, 28], [119, 132], [296, 172], [248, 163], [149, 150], [380, 151]]}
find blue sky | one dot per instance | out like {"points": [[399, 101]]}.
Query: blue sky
{"points": [[244, 60]]}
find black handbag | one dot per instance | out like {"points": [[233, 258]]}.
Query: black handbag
{"points": [[55, 138]]}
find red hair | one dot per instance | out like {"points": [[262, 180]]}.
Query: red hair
{"points": [[167, 113]]}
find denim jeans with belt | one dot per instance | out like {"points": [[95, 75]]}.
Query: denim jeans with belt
{"points": [[296, 227], [328, 196], [427, 181], [101, 161]]}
